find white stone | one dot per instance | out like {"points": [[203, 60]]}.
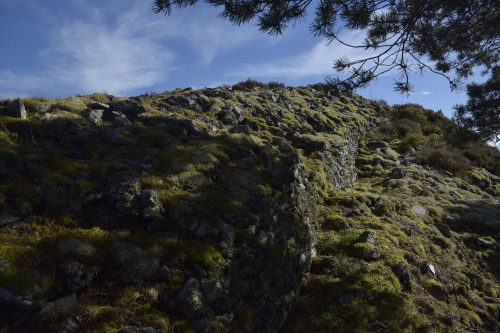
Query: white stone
{"points": [[419, 210]]}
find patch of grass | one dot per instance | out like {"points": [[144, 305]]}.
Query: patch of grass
{"points": [[202, 253], [242, 321], [334, 242], [11, 280], [102, 319], [73, 104], [184, 326], [81, 188]]}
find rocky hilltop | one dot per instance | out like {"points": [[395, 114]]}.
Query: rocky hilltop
{"points": [[253, 209]]}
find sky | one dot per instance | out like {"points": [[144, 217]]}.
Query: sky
{"points": [[60, 48]]}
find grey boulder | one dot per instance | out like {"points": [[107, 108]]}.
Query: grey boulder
{"points": [[16, 109]]}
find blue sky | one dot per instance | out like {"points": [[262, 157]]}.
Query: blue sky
{"points": [[59, 48]]}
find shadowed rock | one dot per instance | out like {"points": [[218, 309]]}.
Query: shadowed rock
{"points": [[15, 109]]}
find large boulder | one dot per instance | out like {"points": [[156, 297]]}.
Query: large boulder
{"points": [[125, 193], [402, 271], [94, 116], [132, 265], [77, 276], [113, 136], [15, 109], [129, 108]]}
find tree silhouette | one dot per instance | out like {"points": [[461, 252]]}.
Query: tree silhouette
{"points": [[482, 111]]}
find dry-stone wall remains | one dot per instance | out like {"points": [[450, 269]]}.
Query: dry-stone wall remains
{"points": [[217, 190]]}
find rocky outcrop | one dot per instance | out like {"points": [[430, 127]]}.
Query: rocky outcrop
{"points": [[204, 210], [214, 193]]}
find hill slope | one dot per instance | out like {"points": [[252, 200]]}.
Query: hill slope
{"points": [[241, 210]]}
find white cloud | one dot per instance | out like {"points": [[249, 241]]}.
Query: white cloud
{"points": [[23, 84], [98, 58], [425, 93], [213, 39], [87, 52], [122, 46], [11, 95], [318, 61], [197, 26]]}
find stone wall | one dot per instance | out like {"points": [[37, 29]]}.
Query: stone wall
{"points": [[224, 185]]}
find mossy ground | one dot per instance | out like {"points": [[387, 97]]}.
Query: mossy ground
{"points": [[435, 304], [210, 177]]}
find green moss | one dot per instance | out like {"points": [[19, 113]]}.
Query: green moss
{"points": [[331, 221], [218, 327], [242, 321], [103, 319], [30, 103], [10, 123], [216, 204], [183, 174], [201, 253], [337, 242], [194, 179], [479, 175], [347, 318], [6, 139], [463, 303], [320, 180], [365, 246], [216, 106], [218, 150], [72, 104], [81, 188], [155, 136], [465, 320], [474, 317], [100, 97], [18, 252], [183, 326], [152, 317], [105, 169], [174, 197], [11, 280], [334, 116], [379, 278], [176, 281], [432, 285], [94, 236]]}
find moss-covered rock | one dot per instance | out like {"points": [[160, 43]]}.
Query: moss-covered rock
{"points": [[204, 210]]}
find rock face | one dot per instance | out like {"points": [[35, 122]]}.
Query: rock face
{"points": [[397, 173], [15, 109], [211, 194], [402, 271]]}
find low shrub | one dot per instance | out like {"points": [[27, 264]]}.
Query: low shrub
{"points": [[485, 157], [449, 159], [275, 85], [413, 112], [250, 84], [412, 140]]}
